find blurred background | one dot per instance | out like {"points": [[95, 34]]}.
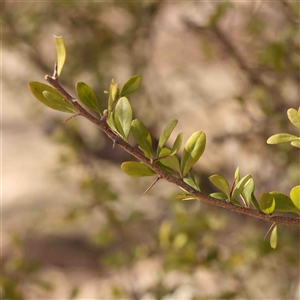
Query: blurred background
{"points": [[74, 226]]}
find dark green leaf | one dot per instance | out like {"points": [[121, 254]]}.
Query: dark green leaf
{"points": [[295, 196], [136, 169], [221, 183], [131, 85], [164, 136], [50, 97], [87, 96], [142, 137], [123, 112], [294, 117], [267, 203], [274, 238], [284, 203], [61, 53], [193, 150], [280, 138]]}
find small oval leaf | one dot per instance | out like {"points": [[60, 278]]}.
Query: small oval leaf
{"points": [[50, 97], [220, 196], [221, 183], [284, 203], [170, 161], [240, 185], [296, 143], [281, 138], [164, 136], [61, 53], [294, 116], [123, 111], [142, 137], [136, 169], [177, 144], [267, 203], [295, 196], [131, 85], [87, 96], [274, 238], [113, 95], [193, 150]]}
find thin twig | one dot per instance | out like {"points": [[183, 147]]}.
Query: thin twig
{"points": [[177, 181]]}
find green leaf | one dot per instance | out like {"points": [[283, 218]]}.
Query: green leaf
{"points": [[111, 122], [61, 53], [170, 161], [50, 97], [191, 183], [87, 96], [193, 150], [294, 116], [123, 112], [240, 185], [177, 144], [164, 136], [280, 138], [113, 95], [295, 196], [296, 143], [221, 183], [284, 203], [136, 169], [131, 85], [220, 196], [274, 238], [118, 125], [267, 203], [237, 175], [142, 137], [248, 194]]}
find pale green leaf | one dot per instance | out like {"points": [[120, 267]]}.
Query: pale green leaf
{"points": [[164, 136], [240, 185], [142, 137], [170, 161], [295, 196], [294, 116], [131, 85], [87, 96], [248, 194], [193, 150], [280, 138], [237, 175], [61, 53], [220, 196], [274, 238], [191, 183], [177, 144], [136, 169], [113, 95], [296, 143], [267, 203], [184, 197], [221, 183], [123, 111], [50, 97], [284, 203]]}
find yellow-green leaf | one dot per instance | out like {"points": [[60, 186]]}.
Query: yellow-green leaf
{"points": [[220, 196], [267, 203], [280, 138], [164, 136], [136, 169], [221, 183], [61, 53], [142, 137], [123, 112], [113, 95], [50, 97], [296, 143], [284, 203], [193, 150], [294, 116], [295, 196], [240, 185], [87, 96], [274, 238], [131, 85], [170, 161]]}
